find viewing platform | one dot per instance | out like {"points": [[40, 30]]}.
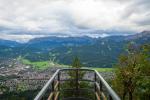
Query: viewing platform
{"points": [[93, 87]]}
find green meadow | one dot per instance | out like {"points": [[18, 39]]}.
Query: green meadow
{"points": [[104, 69], [41, 65]]}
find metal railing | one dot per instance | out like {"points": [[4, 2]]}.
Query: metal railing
{"points": [[52, 89]]}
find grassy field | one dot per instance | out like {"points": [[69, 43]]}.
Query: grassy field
{"points": [[104, 69], [41, 65]]}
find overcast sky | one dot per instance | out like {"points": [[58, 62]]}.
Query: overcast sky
{"points": [[31, 18]]}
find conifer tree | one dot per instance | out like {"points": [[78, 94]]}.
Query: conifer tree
{"points": [[74, 75], [75, 84]]}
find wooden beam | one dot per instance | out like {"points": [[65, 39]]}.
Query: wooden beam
{"points": [[56, 96], [103, 95], [50, 96], [56, 85], [97, 96]]}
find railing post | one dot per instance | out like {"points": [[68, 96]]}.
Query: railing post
{"points": [[59, 83], [95, 79], [77, 79], [110, 98], [101, 86], [53, 90]]}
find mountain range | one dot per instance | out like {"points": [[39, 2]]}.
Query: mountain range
{"points": [[93, 52]]}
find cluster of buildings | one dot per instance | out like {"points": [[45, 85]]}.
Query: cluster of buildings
{"points": [[19, 77]]}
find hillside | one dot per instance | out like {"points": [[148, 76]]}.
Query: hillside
{"points": [[96, 52]]}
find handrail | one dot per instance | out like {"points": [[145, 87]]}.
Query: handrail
{"points": [[109, 89], [82, 69], [112, 94], [41, 93]]}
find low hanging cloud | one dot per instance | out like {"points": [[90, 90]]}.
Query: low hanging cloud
{"points": [[20, 38], [73, 17]]}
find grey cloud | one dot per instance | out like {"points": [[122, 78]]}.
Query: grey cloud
{"points": [[143, 22], [137, 6], [75, 17]]}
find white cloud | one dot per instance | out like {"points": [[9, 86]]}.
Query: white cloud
{"points": [[46, 17], [19, 38]]}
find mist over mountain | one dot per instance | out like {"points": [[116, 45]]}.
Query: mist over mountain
{"points": [[97, 52]]}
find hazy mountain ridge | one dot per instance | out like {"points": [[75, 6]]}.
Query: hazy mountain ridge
{"points": [[99, 52], [52, 42], [144, 34], [8, 43]]}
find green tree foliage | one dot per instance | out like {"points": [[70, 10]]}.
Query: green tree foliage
{"points": [[73, 76], [21, 87], [143, 84], [3, 89], [133, 71], [75, 84], [76, 63]]}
